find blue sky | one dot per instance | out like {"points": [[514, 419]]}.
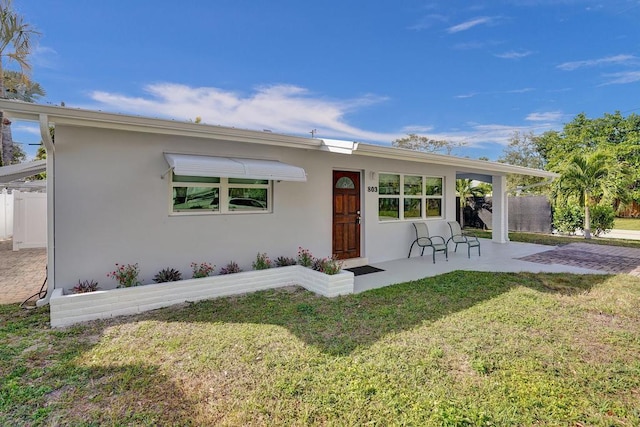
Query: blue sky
{"points": [[369, 71]]}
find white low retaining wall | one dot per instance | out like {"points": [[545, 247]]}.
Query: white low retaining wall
{"points": [[74, 308]]}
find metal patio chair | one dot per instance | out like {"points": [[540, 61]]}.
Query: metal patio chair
{"points": [[458, 236], [424, 240]]}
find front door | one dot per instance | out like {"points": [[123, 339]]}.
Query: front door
{"points": [[346, 214]]}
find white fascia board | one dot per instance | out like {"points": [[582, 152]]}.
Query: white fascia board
{"points": [[99, 119], [461, 163]]}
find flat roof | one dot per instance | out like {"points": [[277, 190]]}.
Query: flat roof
{"points": [[465, 167]]}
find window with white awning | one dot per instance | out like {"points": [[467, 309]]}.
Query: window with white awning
{"points": [[222, 185]]}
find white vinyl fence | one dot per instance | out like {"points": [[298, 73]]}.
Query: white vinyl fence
{"points": [[6, 214], [24, 216]]}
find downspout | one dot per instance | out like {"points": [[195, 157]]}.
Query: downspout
{"points": [[50, 148]]}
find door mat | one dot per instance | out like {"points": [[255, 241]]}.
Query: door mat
{"points": [[365, 269]]}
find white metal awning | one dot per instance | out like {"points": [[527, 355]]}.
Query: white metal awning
{"points": [[22, 170], [228, 167]]}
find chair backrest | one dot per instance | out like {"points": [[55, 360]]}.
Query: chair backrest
{"points": [[455, 228], [422, 231]]}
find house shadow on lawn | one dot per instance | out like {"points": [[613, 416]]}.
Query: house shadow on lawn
{"points": [[56, 381], [340, 325]]}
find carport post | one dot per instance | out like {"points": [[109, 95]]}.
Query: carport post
{"points": [[500, 214]]}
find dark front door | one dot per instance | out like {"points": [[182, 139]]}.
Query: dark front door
{"points": [[346, 214]]}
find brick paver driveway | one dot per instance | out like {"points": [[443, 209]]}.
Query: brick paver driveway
{"points": [[611, 259], [21, 272]]}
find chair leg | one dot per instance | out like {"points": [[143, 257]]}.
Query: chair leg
{"points": [[469, 251], [410, 249], [434, 255], [456, 248]]}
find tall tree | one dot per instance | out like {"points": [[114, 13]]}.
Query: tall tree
{"points": [[423, 143], [15, 46], [586, 177], [523, 151], [613, 135]]}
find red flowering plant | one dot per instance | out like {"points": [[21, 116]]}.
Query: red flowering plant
{"points": [[328, 266], [203, 269], [262, 262], [305, 258], [126, 275]]}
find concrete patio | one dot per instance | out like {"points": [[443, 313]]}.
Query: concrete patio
{"points": [[495, 257], [22, 272]]}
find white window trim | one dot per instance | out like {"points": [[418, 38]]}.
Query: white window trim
{"points": [[223, 194], [423, 197]]}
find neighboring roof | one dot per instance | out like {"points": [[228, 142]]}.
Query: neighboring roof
{"points": [[86, 118], [21, 170]]}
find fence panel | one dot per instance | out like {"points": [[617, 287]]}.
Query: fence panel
{"points": [[6, 214], [530, 214], [29, 220]]}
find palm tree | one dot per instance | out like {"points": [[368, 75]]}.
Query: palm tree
{"points": [[15, 45], [585, 176], [18, 86], [464, 190]]}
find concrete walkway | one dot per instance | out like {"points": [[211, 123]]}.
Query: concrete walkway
{"points": [[21, 272]]}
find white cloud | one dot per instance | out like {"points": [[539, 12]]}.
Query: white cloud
{"points": [[293, 110], [427, 22], [512, 91], [609, 60], [548, 116], [44, 57], [469, 24], [417, 129], [514, 54], [26, 127], [280, 108], [623, 77]]}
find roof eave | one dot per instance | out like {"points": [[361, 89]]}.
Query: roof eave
{"points": [[461, 163], [99, 119]]}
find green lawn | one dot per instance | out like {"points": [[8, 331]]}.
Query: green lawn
{"points": [[556, 240], [627, 224], [465, 348]]}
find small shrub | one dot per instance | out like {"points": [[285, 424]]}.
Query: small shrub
{"points": [[230, 268], [305, 258], [262, 262], [328, 266], [126, 275], [283, 261], [85, 286], [602, 219], [204, 269], [167, 275], [568, 218]]}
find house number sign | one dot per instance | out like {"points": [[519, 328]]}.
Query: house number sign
{"points": [[372, 189]]}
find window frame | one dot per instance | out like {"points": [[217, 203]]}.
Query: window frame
{"points": [[224, 186], [423, 197]]}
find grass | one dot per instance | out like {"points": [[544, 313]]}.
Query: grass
{"points": [[627, 224], [464, 348], [556, 240]]}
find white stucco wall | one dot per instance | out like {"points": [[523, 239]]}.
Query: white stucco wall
{"points": [[111, 206]]}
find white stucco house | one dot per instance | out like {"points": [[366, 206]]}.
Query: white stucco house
{"points": [[163, 193]]}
